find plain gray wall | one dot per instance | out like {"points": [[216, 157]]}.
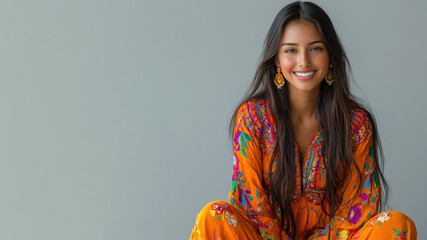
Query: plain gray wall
{"points": [[114, 114]]}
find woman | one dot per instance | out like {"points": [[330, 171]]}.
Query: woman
{"points": [[305, 151]]}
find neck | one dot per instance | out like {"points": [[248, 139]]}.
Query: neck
{"points": [[303, 105]]}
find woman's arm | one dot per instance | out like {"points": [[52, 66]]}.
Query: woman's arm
{"points": [[358, 205], [247, 191]]}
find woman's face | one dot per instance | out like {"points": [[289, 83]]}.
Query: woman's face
{"points": [[302, 58]]}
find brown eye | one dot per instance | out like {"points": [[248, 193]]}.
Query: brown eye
{"points": [[290, 50], [317, 49]]}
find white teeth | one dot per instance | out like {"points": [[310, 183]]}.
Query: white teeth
{"points": [[304, 74]]}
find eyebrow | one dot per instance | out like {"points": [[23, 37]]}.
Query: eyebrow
{"points": [[295, 44]]}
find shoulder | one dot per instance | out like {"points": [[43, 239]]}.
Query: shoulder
{"points": [[253, 115], [254, 106], [361, 125], [255, 109]]}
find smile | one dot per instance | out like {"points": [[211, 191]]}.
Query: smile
{"points": [[304, 74]]}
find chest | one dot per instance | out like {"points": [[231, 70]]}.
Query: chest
{"points": [[304, 135], [310, 172]]}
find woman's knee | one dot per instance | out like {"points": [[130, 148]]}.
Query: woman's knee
{"points": [[212, 209], [397, 217]]}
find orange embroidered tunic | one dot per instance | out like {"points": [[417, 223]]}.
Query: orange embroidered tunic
{"points": [[249, 213]]}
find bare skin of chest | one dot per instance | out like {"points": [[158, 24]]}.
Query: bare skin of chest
{"points": [[304, 134]]}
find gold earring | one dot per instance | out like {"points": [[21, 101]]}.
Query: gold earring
{"points": [[279, 80], [329, 78]]}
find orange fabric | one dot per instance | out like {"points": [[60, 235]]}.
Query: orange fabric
{"points": [[249, 213]]}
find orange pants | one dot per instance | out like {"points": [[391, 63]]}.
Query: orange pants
{"points": [[220, 220]]}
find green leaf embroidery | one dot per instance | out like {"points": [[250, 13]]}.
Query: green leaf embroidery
{"points": [[218, 217], [243, 144], [379, 223], [246, 136], [234, 186], [376, 180], [243, 152]]}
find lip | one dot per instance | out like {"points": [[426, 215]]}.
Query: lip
{"points": [[304, 77]]}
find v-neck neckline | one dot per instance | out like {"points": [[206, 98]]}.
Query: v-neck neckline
{"points": [[312, 140], [309, 145], [300, 165]]}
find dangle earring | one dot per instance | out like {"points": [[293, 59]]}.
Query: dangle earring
{"points": [[329, 78], [279, 79]]}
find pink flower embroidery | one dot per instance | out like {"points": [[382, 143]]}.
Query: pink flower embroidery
{"points": [[354, 214], [364, 196]]}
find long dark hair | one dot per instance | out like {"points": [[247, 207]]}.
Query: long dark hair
{"points": [[333, 114]]}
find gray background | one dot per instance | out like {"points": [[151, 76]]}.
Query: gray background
{"points": [[114, 114]]}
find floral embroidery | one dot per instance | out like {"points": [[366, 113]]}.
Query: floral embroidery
{"points": [[231, 219], [343, 235], [260, 119], [238, 183], [384, 217], [241, 140], [354, 214], [364, 196], [400, 235], [217, 211], [380, 219], [244, 196], [313, 163], [240, 144], [359, 126]]}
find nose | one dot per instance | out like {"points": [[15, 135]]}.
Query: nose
{"points": [[304, 59]]}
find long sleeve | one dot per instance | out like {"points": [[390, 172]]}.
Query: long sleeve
{"points": [[247, 192], [357, 206]]}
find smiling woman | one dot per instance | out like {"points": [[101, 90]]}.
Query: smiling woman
{"points": [[302, 58], [306, 153]]}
